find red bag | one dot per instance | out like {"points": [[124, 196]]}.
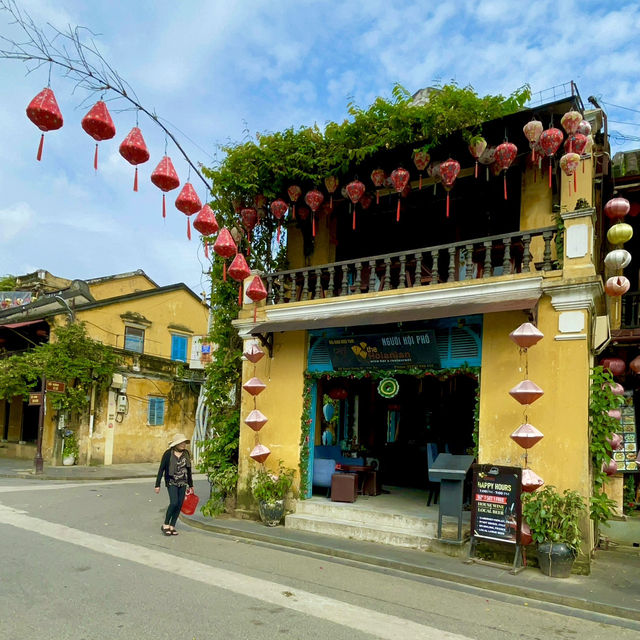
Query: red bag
{"points": [[190, 503]]}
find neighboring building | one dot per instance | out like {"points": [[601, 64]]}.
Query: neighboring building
{"points": [[465, 281], [155, 391]]}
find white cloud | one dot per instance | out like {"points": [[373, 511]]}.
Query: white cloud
{"points": [[15, 220]]}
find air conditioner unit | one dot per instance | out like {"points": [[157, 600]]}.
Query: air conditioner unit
{"points": [[117, 381]]}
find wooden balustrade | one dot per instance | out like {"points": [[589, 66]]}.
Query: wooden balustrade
{"points": [[481, 258]]}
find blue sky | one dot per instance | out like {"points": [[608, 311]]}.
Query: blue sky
{"points": [[218, 71]]}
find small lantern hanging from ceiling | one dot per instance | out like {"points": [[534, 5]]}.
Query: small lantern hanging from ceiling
{"points": [[99, 125], [634, 365], [249, 218], [314, 199], [421, 159], [294, 192], [449, 171], [378, 177], [526, 335], [239, 270], [569, 163], [616, 366], [164, 176], [206, 224], [617, 259], [526, 392], [253, 353], [531, 481], [617, 286], [399, 179], [617, 208], [134, 150], [477, 146], [355, 190], [44, 112], [260, 453], [570, 122], [610, 468], [620, 233], [526, 436], [532, 131], [254, 386], [584, 128], [225, 247], [331, 183], [505, 155], [256, 420], [575, 143], [278, 208], [550, 141], [189, 203]]}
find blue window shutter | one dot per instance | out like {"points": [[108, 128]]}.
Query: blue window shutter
{"points": [[179, 348], [156, 411]]}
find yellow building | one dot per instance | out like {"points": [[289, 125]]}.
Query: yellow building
{"points": [[156, 332], [430, 300]]}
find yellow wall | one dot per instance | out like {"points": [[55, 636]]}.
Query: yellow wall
{"points": [[117, 286], [171, 308], [324, 252], [281, 402]]}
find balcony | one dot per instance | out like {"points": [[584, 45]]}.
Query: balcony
{"points": [[468, 261]]}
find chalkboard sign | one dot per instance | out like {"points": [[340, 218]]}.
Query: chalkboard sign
{"points": [[496, 512]]}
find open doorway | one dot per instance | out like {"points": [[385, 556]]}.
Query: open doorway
{"points": [[393, 432]]}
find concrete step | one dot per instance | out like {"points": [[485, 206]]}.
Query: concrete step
{"points": [[355, 513]]}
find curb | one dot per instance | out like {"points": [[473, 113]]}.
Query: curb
{"points": [[447, 576]]}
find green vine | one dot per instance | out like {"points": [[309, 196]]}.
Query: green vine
{"points": [[602, 426], [358, 374]]}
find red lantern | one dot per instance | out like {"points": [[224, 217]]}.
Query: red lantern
{"points": [[249, 220], [616, 366], [569, 163], [526, 435], [449, 171], [189, 203], [338, 393], [355, 190], [611, 468], [400, 179], [476, 148], [526, 392], [314, 199], [253, 353], [421, 159], [255, 420], [255, 386], [505, 154], [260, 201], [134, 150], [575, 143], [303, 213], [166, 179], [365, 201], [615, 441], [44, 112], [571, 121], [278, 208], [331, 183], [617, 208], [239, 269], [532, 131], [294, 192], [99, 125], [634, 365], [617, 286], [256, 292], [378, 177], [206, 224], [550, 141], [225, 247]]}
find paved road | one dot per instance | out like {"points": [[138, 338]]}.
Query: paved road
{"points": [[88, 562]]}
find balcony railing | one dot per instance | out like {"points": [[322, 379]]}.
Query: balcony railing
{"points": [[460, 261]]}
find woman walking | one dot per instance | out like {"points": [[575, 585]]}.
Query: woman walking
{"points": [[176, 468]]}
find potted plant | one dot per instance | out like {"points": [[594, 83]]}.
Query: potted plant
{"points": [[69, 448], [554, 520], [270, 489]]}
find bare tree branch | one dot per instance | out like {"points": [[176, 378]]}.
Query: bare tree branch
{"points": [[81, 62]]}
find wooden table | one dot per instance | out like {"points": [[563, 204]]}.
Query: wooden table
{"points": [[368, 483]]}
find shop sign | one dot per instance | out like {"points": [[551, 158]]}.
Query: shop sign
{"points": [[55, 387], [35, 399], [496, 512], [384, 351]]}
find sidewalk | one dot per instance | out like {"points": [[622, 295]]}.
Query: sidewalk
{"points": [[613, 588]]}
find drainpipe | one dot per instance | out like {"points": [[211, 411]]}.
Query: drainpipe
{"points": [[92, 411]]}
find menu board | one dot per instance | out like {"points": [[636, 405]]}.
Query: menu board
{"points": [[496, 512], [626, 457]]}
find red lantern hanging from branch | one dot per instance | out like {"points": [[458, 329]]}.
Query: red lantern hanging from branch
{"points": [[477, 145], [278, 208], [189, 203], [44, 112], [294, 192], [225, 247], [399, 179], [164, 176], [449, 171], [355, 190], [378, 177], [256, 292], [505, 155], [314, 199], [239, 270], [550, 141], [99, 125], [249, 220], [206, 224], [532, 131], [331, 183], [134, 150], [421, 159]]}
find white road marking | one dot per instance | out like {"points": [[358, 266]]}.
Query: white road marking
{"points": [[41, 486], [379, 625]]}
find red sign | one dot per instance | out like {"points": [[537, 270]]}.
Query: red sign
{"points": [[56, 387]]}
